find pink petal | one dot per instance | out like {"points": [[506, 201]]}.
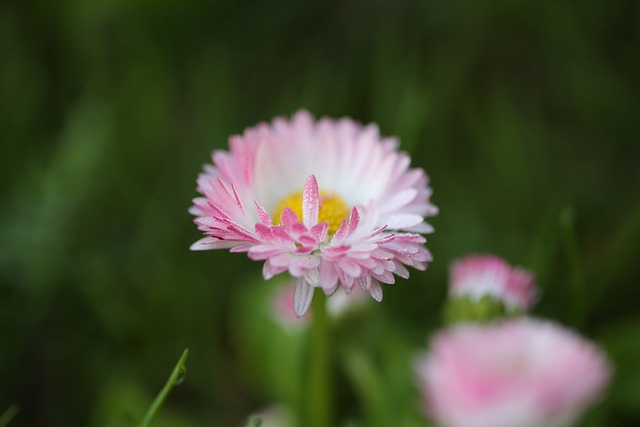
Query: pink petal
{"points": [[264, 216], [341, 233], [289, 217], [263, 252], [375, 290], [354, 220], [237, 199], [319, 231], [401, 270], [269, 270], [310, 202], [299, 265], [328, 276], [264, 232], [350, 267], [365, 283]]}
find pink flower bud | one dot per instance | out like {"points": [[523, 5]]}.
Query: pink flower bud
{"points": [[480, 275]]}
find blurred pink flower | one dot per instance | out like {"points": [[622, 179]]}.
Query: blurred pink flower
{"points": [[331, 202], [283, 308], [521, 373], [480, 275]]}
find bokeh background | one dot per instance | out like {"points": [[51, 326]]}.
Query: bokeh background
{"points": [[524, 114]]}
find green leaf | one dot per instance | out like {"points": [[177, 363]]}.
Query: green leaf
{"points": [[176, 378]]}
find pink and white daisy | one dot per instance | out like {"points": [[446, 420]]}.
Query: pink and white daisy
{"points": [[521, 373], [480, 275], [330, 201]]}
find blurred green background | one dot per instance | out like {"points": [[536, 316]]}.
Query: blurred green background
{"points": [[525, 115]]}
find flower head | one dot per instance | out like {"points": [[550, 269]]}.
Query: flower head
{"points": [[331, 202], [477, 276], [520, 373]]}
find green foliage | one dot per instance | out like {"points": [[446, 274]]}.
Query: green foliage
{"points": [[468, 309], [108, 110], [621, 339]]}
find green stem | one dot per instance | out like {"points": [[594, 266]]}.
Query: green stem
{"points": [[176, 377], [319, 393]]}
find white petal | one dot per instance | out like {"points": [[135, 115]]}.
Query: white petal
{"points": [[313, 277], [400, 199], [423, 228], [365, 283], [208, 243], [302, 296], [399, 221], [376, 290]]}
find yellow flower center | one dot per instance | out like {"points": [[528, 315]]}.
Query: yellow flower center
{"points": [[333, 209]]}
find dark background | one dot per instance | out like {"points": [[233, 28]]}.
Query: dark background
{"points": [[524, 114]]}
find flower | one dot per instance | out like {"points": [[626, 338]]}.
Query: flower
{"points": [[520, 373], [477, 276], [331, 202]]}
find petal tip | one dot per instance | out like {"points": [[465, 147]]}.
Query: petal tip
{"points": [[302, 297]]}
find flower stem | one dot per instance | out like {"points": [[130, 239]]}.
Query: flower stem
{"points": [[176, 377], [319, 392]]}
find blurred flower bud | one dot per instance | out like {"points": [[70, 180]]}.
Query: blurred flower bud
{"points": [[485, 288]]}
